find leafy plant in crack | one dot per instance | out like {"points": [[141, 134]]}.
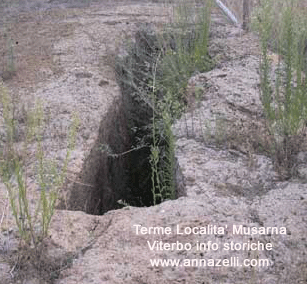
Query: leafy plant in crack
{"points": [[153, 78]]}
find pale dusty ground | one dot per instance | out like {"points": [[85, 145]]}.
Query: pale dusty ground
{"points": [[65, 58]]}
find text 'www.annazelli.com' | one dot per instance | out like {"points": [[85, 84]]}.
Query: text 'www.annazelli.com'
{"points": [[231, 262]]}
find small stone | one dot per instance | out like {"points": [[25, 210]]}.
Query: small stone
{"points": [[103, 82], [301, 157], [302, 172]]}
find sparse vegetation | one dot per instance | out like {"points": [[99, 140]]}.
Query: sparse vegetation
{"points": [[154, 77], [32, 223], [187, 53], [282, 28]]}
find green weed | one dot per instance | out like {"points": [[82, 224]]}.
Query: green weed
{"points": [[282, 28], [188, 53], [153, 77], [32, 223]]}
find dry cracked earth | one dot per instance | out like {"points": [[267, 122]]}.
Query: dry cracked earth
{"points": [[64, 54]]}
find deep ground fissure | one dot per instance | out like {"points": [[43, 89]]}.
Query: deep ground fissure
{"points": [[118, 170]]}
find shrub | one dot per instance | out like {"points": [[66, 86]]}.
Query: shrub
{"points": [[282, 27], [188, 55]]}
